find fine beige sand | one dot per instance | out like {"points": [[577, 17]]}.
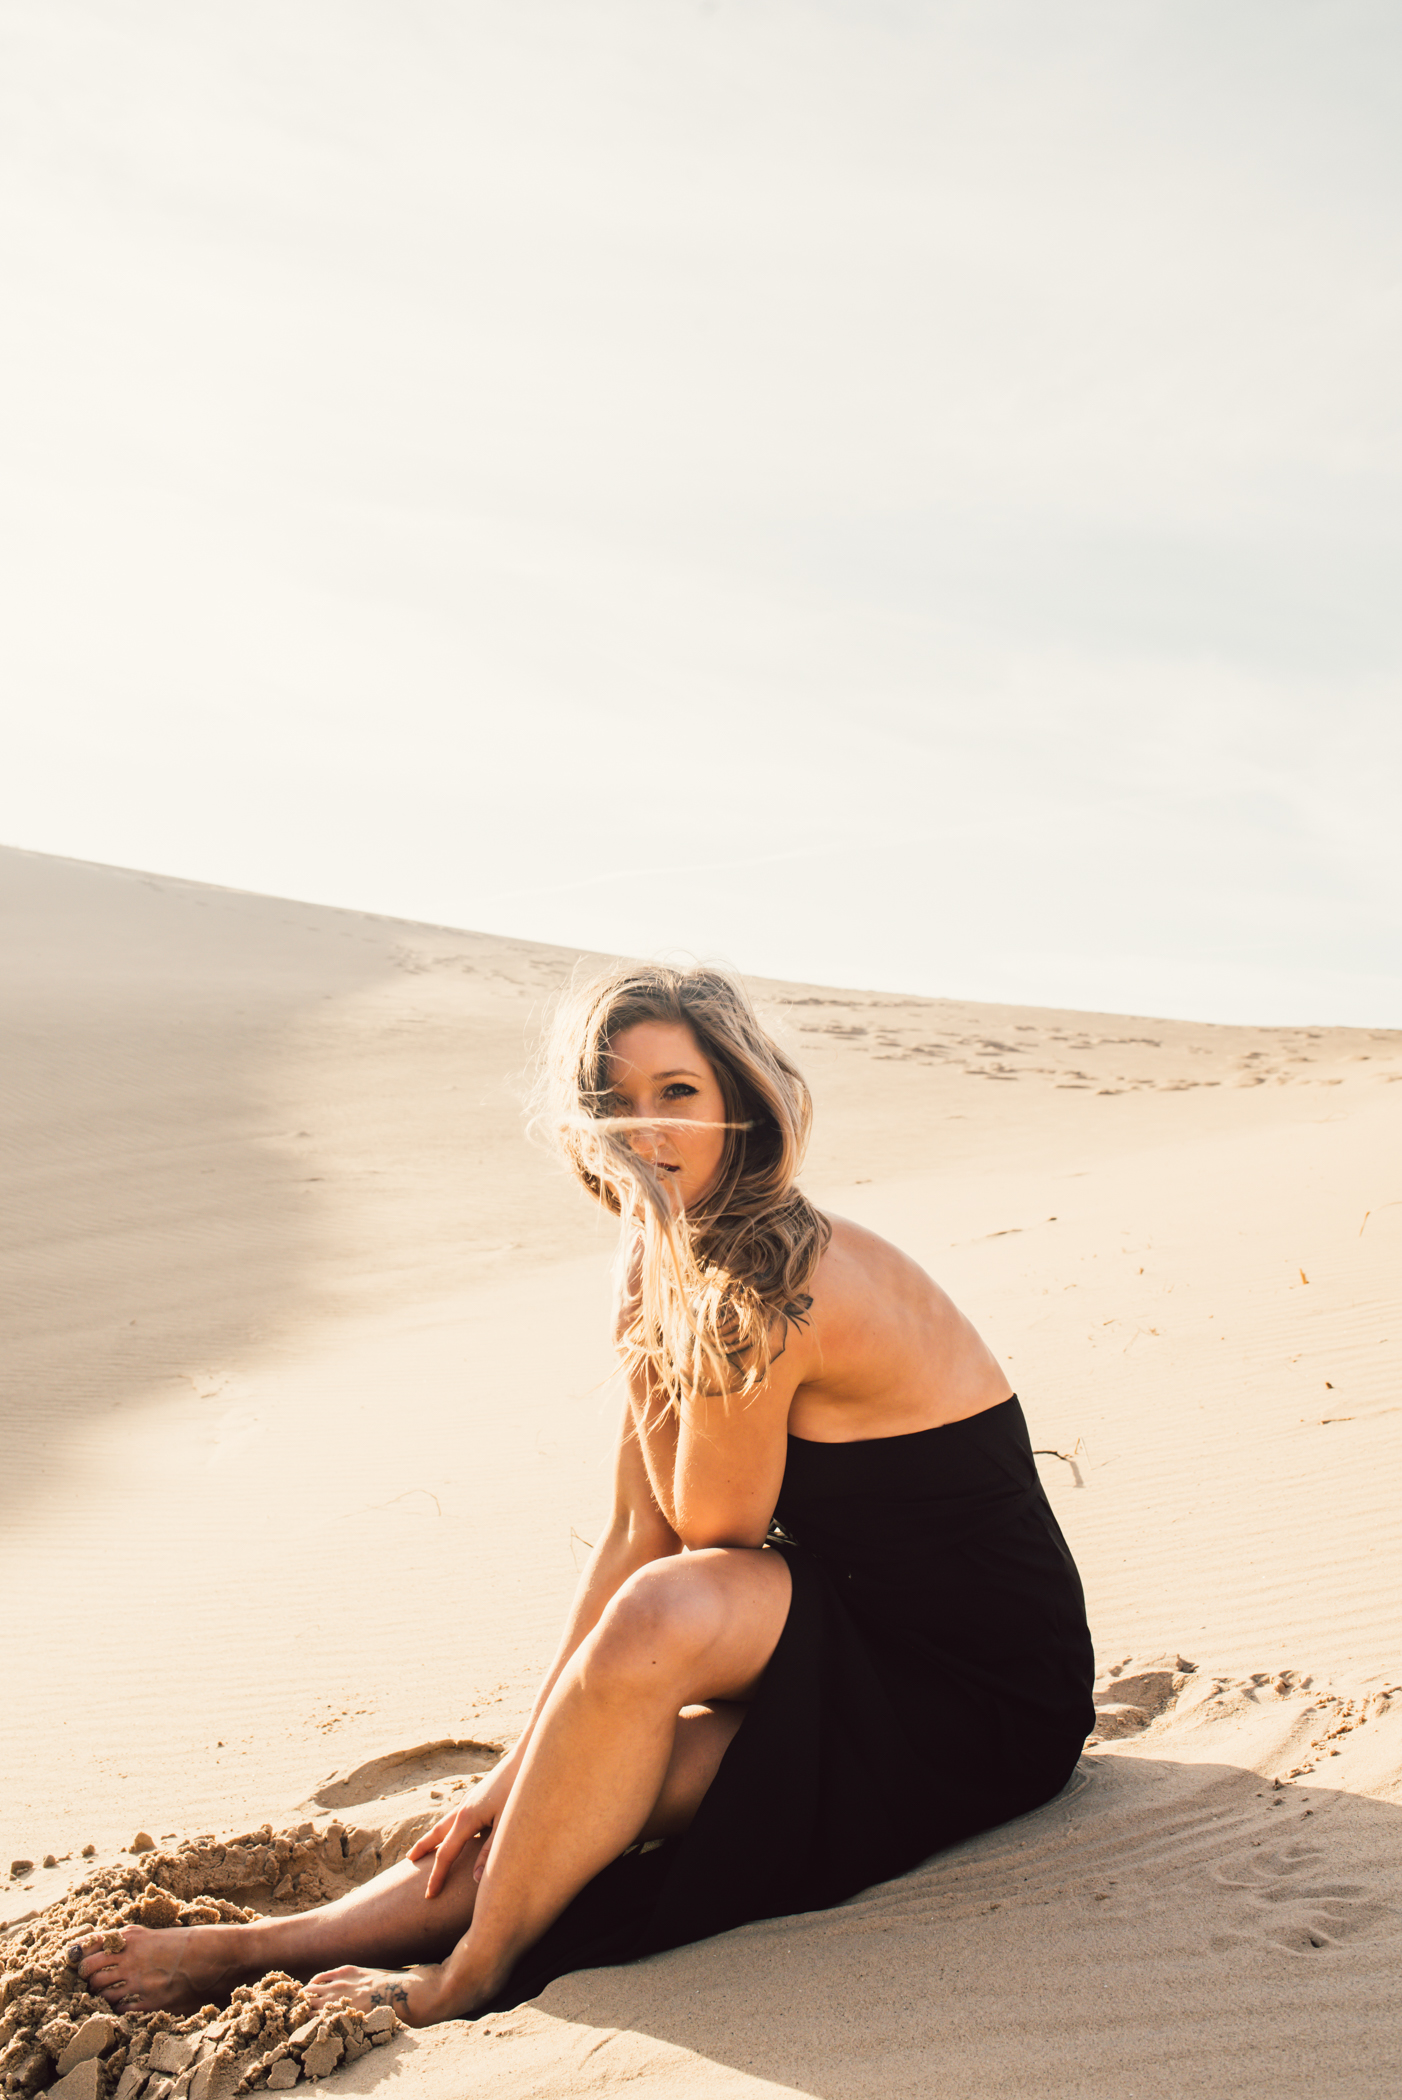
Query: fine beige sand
{"points": [[307, 1416]]}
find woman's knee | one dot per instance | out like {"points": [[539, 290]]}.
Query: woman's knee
{"points": [[666, 1614]]}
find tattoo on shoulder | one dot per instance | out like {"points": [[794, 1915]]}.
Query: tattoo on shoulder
{"points": [[794, 1314]]}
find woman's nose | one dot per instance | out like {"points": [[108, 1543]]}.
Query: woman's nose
{"points": [[644, 1141]]}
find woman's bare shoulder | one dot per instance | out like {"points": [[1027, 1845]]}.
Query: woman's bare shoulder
{"points": [[846, 1233], [891, 1352], [864, 1284], [856, 1257]]}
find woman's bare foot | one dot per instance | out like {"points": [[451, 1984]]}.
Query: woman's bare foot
{"points": [[415, 1994], [177, 1969]]}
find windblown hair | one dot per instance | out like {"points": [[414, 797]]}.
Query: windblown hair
{"points": [[708, 1295]]}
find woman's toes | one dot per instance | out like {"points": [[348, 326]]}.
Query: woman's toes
{"points": [[347, 1984], [93, 1957], [98, 1967]]}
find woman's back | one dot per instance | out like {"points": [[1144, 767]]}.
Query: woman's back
{"points": [[882, 1350], [874, 1348]]}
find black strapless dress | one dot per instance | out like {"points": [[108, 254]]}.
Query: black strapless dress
{"points": [[933, 1679]]}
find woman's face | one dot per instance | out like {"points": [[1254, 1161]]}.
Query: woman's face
{"points": [[658, 1068]]}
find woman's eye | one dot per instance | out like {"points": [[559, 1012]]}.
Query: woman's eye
{"points": [[678, 1091]]}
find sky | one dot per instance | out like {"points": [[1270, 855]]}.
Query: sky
{"points": [[885, 494]]}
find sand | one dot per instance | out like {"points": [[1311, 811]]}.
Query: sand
{"points": [[266, 2035], [290, 1514]]}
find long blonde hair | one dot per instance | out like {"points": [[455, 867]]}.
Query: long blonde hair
{"points": [[713, 1291]]}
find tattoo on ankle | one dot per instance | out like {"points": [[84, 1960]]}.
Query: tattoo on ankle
{"points": [[395, 1995]]}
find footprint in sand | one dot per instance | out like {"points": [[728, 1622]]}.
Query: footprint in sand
{"points": [[1295, 1905], [1131, 1695], [401, 1770]]}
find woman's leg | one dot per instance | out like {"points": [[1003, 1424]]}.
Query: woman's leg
{"points": [[182, 1967], [387, 1922], [602, 1765], [714, 1622]]}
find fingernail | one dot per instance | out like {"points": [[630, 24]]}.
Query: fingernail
{"points": [[75, 1953]]}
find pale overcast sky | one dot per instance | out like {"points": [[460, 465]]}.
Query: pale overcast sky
{"points": [[904, 495]]}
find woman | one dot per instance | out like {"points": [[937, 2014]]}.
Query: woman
{"points": [[832, 1625]]}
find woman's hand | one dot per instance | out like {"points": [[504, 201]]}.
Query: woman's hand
{"points": [[455, 1831]]}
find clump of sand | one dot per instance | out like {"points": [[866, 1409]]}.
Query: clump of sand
{"points": [[1130, 1695], [55, 2035]]}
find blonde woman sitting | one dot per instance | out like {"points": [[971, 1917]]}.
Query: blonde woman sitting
{"points": [[832, 1626]]}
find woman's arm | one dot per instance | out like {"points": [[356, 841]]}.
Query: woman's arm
{"points": [[716, 1470], [637, 1533]]}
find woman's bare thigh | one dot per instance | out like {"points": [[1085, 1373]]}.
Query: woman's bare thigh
{"points": [[709, 1620]]}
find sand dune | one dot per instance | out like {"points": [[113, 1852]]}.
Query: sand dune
{"points": [[288, 1524]]}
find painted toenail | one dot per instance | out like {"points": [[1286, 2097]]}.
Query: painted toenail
{"points": [[75, 1953]]}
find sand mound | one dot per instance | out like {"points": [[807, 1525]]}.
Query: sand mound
{"points": [[52, 2028]]}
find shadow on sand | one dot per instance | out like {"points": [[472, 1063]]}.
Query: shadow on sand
{"points": [[1161, 1927]]}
